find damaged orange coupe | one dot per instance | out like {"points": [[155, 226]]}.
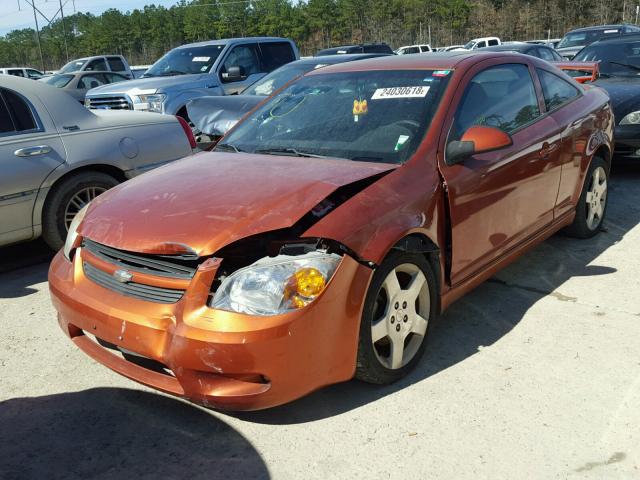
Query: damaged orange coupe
{"points": [[330, 227]]}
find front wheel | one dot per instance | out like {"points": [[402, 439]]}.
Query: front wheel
{"points": [[67, 199], [399, 306], [592, 204]]}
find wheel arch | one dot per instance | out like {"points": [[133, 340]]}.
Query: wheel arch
{"points": [[110, 170], [419, 242]]}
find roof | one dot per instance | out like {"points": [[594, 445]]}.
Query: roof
{"points": [[513, 47], [601, 27], [333, 59], [627, 37], [223, 41], [433, 61]]}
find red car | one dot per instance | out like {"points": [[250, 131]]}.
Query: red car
{"points": [[332, 225]]}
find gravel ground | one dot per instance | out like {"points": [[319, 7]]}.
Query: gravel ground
{"points": [[536, 374]]}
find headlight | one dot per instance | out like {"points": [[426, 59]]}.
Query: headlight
{"points": [[274, 285], [151, 102], [632, 118], [72, 234]]}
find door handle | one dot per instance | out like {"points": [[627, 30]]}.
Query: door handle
{"points": [[32, 151], [547, 149]]}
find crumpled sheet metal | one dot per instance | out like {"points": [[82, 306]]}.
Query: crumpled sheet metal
{"points": [[214, 116]]}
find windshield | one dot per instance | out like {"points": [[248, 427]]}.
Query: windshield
{"points": [[580, 39], [277, 79], [469, 45], [58, 80], [182, 61], [616, 59], [73, 66], [372, 116]]}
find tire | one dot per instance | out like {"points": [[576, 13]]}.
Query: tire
{"points": [[591, 201], [395, 318], [66, 198]]}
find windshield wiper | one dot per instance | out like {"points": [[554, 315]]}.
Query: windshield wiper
{"points": [[632, 67], [229, 147], [288, 151]]}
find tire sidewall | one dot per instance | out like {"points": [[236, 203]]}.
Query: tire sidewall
{"points": [[369, 367], [54, 228], [579, 227]]}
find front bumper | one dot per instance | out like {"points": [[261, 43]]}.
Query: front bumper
{"points": [[627, 138], [216, 358]]}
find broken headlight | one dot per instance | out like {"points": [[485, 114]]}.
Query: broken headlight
{"points": [[275, 285]]}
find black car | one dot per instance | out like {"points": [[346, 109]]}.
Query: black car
{"points": [[361, 48], [576, 40], [620, 77], [213, 116], [535, 50]]}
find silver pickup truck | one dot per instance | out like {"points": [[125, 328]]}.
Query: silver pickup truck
{"points": [[219, 67]]}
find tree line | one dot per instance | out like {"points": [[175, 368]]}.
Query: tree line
{"points": [[143, 35]]}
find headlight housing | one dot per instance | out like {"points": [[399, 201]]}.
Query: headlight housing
{"points": [[632, 118], [275, 285], [72, 234], [152, 102]]}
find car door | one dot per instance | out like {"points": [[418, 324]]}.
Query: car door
{"points": [[30, 149], [246, 57], [499, 199], [562, 102]]}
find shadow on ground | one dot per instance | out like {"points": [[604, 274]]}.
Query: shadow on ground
{"points": [[22, 266], [118, 433], [491, 311]]}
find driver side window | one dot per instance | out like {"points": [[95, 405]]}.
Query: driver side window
{"points": [[502, 96], [243, 56]]}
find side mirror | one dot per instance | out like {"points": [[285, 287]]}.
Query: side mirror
{"points": [[477, 139], [234, 74]]}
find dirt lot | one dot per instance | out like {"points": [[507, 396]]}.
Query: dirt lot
{"points": [[536, 374]]}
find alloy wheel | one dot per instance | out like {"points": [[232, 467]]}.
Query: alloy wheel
{"points": [[596, 198], [78, 201], [401, 316]]}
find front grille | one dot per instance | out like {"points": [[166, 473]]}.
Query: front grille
{"points": [[132, 289], [172, 266], [112, 102]]}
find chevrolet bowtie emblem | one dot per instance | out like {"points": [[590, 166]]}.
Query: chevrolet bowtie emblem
{"points": [[122, 276]]}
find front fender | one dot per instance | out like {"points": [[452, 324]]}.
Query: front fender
{"points": [[175, 103]]}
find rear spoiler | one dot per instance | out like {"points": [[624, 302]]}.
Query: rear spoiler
{"points": [[582, 72]]}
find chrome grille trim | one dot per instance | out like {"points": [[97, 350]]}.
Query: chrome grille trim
{"points": [[132, 289], [111, 102], [170, 266]]}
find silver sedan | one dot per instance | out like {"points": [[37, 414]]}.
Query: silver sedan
{"points": [[56, 155], [77, 84]]}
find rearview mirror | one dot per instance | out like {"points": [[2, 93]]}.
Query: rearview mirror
{"points": [[234, 74], [477, 139]]}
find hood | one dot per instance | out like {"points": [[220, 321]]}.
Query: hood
{"points": [[624, 93], [216, 115], [211, 199], [157, 83]]}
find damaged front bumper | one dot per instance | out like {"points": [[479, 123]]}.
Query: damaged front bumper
{"points": [[217, 358]]}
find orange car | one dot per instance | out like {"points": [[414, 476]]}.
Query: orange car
{"points": [[332, 225]]}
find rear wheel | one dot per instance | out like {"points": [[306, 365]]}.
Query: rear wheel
{"points": [[592, 204], [67, 199], [400, 304]]}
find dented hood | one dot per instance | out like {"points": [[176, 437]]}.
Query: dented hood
{"points": [[211, 199]]}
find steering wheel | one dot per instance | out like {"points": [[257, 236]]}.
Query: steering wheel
{"points": [[412, 125]]}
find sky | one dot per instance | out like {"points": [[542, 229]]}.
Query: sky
{"points": [[16, 14]]}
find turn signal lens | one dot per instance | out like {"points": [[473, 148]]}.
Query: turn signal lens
{"points": [[303, 286]]}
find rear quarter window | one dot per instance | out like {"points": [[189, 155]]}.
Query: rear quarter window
{"points": [[20, 111], [556, 90], [276, 54], [116, 64]]}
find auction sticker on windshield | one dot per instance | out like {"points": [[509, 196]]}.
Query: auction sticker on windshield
{"points": [[400, 92]]}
